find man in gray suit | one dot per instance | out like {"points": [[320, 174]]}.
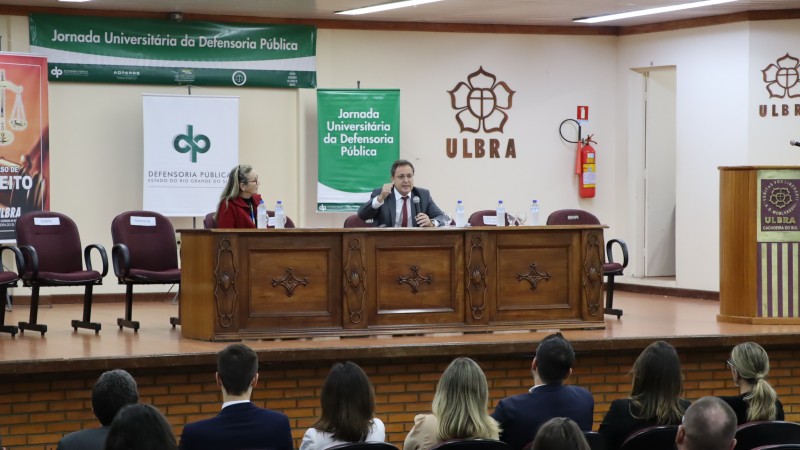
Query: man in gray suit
{"points": [[113, 390], [400, 204]]}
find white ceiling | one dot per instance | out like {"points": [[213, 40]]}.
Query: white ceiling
{"points": [[504, 12]]}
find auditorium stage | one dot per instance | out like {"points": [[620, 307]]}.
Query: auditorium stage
{"points": [[47, 380], [688, 323]]}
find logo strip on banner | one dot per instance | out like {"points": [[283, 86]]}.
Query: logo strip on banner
{"points": [[359, 139], [146, 51]]}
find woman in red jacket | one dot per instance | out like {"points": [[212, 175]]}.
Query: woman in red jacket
{"points": [[239, 201]]}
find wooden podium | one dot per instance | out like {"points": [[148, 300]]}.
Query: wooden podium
{"points": [[300, 283], [759, 236]]}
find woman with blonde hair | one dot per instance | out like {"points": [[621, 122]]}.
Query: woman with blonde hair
{"points": [[459, 409], [239, 201], [757, 400], [655, 396]]}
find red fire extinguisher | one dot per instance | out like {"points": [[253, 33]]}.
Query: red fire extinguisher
{"points": [[586, 167]]}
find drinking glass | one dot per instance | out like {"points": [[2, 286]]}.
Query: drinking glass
{"points": [[447, 219], [521, 218]]}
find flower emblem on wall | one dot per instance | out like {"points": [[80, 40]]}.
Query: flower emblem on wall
{"points": [[783, 78], [481, 102]]}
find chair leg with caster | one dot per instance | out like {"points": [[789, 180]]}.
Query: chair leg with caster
{"points": [[31, 324], [86, 322]]}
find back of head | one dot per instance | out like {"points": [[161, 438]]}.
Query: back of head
{"points": [[751, 362], [140, 427], [554, 358], [657, 384], [237, 365], [560, 433], [112, 391], [709, 424], [460, 403], [348, 403]]}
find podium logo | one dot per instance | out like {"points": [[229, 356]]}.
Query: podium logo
{"points": [[779, 199], [481, 102], [185, 143]]}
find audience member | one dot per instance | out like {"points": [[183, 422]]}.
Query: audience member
{"points": [[521, 416], [111, 392], [655, 396], [560, 433], [709, 424], [459, 409], [140, 427], [239, 200], [757, 400], [241, 424], [348, 408]]}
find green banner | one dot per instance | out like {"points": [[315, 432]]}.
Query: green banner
{"points": [[144, 51], [359, 139]]}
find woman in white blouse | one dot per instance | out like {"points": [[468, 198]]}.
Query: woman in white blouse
{"points": [[348, 407]]}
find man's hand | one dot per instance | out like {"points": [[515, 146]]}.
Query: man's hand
{"points": [[423, 220], [386, 190]]}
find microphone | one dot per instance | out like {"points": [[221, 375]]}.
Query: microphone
{"points": [[416, 207], [795, 143]]}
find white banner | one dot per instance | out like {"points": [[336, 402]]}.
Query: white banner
{"points": [[190, 145]]}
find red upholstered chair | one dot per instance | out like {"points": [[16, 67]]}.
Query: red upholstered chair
{"points": [[472, 444], [210, 221], [759, 434], [652, 438], [51, 246], [354, 221], [476, 218], [611, 268], [289, 223], [144, 252], [9, 279]]}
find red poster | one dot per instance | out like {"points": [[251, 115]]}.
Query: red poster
{"points": [[24, 142]]}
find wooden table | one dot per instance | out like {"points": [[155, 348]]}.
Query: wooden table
{"points": [[295, 283]]}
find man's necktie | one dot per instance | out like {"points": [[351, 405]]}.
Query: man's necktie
{"points": [[404, 216]]}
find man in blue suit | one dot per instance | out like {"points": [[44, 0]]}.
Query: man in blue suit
{"points": [[240, 425], [400, 204], [521, 416]]}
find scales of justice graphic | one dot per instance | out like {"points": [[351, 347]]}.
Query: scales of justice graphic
{"points": [[17, 121]]}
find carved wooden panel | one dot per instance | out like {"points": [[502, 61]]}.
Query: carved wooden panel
{"points": [[476, 283], [355, 273], [417, 279], [225, 289], [592, 276], [290, 285], [534, 277]]}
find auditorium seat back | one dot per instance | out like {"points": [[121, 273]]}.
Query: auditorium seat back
{"points": [[611, 268], [209, 221], [652, 438], [472, 444], [364, 446], [758, 434]]}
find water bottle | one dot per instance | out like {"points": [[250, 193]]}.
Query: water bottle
{"points": [[280, 217], [461, 221], [534, 212], [261, 215], [501, 214]]}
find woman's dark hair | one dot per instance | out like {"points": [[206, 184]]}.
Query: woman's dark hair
{"points": [[657, 385], [348, 403], [560, 433], [140, 427]]}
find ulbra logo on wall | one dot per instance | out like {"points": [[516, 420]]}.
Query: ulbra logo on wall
{"points": [[481, 103], [782, 80]]}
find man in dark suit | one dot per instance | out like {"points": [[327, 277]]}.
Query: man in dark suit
{"points": [[240, 425], [113, 390], [521, 416], [394, 204]]}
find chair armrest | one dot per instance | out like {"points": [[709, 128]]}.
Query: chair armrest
{"points": [[34, 257], [121, 257], [103, 255], [623, 246], [17, 257]]}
